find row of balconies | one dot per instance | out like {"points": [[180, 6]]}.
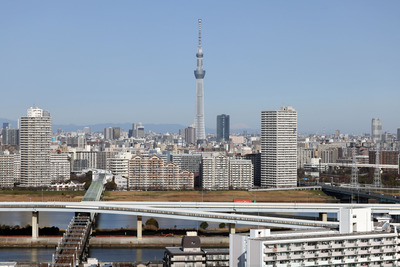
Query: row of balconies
{"points": [[331, 254], [330, 262], [329, 246]]}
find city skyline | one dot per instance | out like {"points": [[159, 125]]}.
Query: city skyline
{"points": [[336, 62]]}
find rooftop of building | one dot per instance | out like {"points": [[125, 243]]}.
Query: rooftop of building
{"points": [[317, 233]]}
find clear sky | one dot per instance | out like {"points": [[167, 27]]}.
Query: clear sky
{"points": [[336, 62]]}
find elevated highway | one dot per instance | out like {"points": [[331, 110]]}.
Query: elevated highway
{"points": [[177, 211]]}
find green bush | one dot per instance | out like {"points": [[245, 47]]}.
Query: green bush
{"points": [[222, 225], [204, 225]]}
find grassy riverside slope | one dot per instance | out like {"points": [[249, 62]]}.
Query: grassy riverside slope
{"points": [[172, 196]]}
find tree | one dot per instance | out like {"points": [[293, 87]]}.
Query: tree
{"points": [[152, 223], [204, 225], [111, 186], [221, 225]]}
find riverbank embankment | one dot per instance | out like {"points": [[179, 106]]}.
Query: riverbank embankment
{"points": [[114, 241]]}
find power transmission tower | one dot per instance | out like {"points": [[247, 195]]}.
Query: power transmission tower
{"points": [[377, 174], [354, 170]]}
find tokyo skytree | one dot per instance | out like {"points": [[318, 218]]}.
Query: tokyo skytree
{"points": [[199, 73]]}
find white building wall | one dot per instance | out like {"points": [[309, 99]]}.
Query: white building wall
{"points": [[240, 174], [60, 167], [6, 170], [214, 172]]}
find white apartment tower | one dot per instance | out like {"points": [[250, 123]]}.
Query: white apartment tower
{"points": [[376, 130], [279, 148], [35, 139]]}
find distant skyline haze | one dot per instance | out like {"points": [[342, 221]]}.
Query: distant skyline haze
{"points": [[336, 62]]}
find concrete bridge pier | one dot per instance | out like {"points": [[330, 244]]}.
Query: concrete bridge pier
{"points": [[35, 225], [139, 227], [323, 216], [232, 229]]}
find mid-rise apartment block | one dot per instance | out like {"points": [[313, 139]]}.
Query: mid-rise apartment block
{"points": [[152, 173], [218, 172], [356, 243], [214, 172], [83, 160], [240, 174], [6, 169], [60, 167]]}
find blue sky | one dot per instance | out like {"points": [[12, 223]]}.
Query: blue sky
{"points": [[336, 62]]}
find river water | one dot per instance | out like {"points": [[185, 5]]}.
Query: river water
{"points": [[102, 254]]}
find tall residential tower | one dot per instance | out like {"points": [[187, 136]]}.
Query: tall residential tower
{"points": [[199, 73], [376, 130], [35, 139], [279, 148], [223, 128]]}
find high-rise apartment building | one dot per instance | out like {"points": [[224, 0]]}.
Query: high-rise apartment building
{"points": [[279, 148], [35, 139], [86, 130], [376, 130], [140, 130], [223, 128], [398, 134], [190, 135], [10, 137], [108, 133], [137, 130], [116, 132]]}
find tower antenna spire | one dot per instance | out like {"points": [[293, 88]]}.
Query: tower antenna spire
{"points": [[199, 32]]}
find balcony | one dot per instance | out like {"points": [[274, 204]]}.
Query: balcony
{"points": [[362, 252], [323, 262], [388, 242], [337, 245], [281, 257], [283, 249], [296, 256], [349, 252], [325, 246], [387, 250], [307, 247], [336, 253], [388, 258], [374, 258], [268, 258], [375, 251], [324, 254], [296, 248], [269, 250]]}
